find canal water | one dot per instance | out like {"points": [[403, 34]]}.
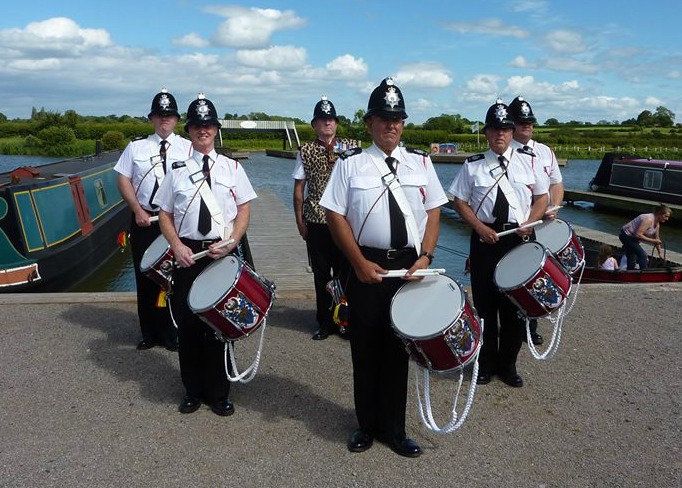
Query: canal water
{"points": [[274, 174]]}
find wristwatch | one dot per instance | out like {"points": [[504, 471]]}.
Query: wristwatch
{"points": [[428, 255]]}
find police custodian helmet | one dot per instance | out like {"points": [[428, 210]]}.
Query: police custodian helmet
{"points": [[324, 109], [386, 101], [164, 104], [201, 112], [520, 111], [498, 117]]}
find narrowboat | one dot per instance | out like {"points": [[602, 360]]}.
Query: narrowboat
{"points": [[59, 222], [645, 178]]}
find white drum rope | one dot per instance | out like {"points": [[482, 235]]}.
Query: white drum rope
{"points": [[249, 373], [577, 287], [455, 422], [170, 311], [556, 335]]}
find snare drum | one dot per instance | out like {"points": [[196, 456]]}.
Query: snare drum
{"points": [[230, 297], [437, 323], [558, 236], [533, 279], [157, 262]]}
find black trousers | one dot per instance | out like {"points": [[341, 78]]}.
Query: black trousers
{"points": [[380, 361], [501, 339], [201, 353], [155, 323], [326, 260]]}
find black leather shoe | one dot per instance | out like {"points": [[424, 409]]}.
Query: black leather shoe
{"points": [[171, 346], [406, 447], [344, 335], [145, 344], [320, 335], [513, 380], [359, 441], [224, 408], [537, 339], [189, 405], [483, 378]]}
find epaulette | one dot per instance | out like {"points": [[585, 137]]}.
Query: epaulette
{"points": [[138, 138], [178, 164], [414, 150], [526, 150], [351, 152], [475, 157]]}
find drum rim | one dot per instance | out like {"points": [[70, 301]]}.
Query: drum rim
{"points": [[238, 274], [440, 333], [144, 268], [546, 253]]}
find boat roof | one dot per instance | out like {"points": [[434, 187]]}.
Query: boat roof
{"points": [[650, 163], [59, 169]]}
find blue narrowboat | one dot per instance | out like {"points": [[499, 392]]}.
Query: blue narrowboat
{"points": [[59, 222]]}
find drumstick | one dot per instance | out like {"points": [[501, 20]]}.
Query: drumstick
{"points": [[399, 273], [553, 209], [154, 218], [201, 254], [511, 231]]}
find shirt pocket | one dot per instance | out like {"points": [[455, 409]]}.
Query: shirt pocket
{"points": [[414, 186], [364, 192]]}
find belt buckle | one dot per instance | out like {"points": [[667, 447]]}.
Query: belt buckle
{"points": [[507, 226], [392, 253], [206, 244]]}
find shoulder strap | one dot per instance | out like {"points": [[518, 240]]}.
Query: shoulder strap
{"points": [[391, 181], [196, 175]]}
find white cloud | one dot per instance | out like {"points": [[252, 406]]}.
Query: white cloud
{"points": [[191, 40], [566, 41], [287, 58], [251, 28], [423, 75], [569, 64], [488, 27], [520, 62], [58, 36], [347, 67], [483, 84]]}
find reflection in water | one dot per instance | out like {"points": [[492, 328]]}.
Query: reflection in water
{"points": [[274, 174]]}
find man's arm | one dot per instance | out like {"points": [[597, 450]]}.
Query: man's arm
{"points": [[465, 211], [299, 186]]}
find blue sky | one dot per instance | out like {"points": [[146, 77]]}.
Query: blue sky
{"points": [[578, 60]]}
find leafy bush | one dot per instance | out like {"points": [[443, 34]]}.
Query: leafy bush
{"points": [[113, 139], [57, 135]]}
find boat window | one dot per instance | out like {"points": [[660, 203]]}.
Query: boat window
{"points": [[101, 194], [653, 180]]}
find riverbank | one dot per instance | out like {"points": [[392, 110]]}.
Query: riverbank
{"points": [[82, 407]]}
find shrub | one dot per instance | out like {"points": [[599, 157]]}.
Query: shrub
{"points": [[113, 139]]}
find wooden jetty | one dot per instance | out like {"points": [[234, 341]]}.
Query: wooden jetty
{"points": [[459, 157], [282, 153], [279, 252], [621, 203], [233, 153]]}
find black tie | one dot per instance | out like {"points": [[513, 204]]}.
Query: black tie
{"points": [[204, 214], [398, 229], [162, 153], [501, 208]]}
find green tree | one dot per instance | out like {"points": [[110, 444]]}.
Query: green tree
{"points": [[664, 117], [645, 119], [552, 122], [113, 139], [70, 118]]}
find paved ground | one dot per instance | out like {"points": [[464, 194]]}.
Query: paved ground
{"points": [[79, 406]]}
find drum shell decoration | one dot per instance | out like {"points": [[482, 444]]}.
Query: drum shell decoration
{"points": [[437, 323], [157, 262], [559, 237], [231, 297], [533, 279]]}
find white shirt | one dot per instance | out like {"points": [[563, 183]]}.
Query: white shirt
{"points": [[356, 191], [140, 155], [179, 195], [544, 162], [475, 179], [299, 170]]}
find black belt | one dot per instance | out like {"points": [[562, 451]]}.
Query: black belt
{"points": [[375, 253], [503, 227], [196, 245]]}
